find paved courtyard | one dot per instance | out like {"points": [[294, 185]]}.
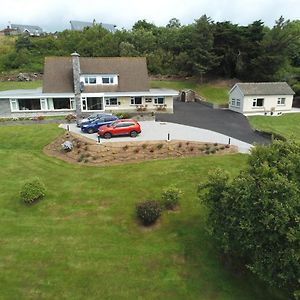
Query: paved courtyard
{"points": [[223, 121], [158, 131]]}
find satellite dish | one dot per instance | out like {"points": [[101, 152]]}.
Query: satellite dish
{"points": [[81, 86]]}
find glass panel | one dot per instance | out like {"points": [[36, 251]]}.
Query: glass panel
{"points": [[105, 80], [92, 80], [138, 100], [29, 104], [94, 103], [61, 103]]}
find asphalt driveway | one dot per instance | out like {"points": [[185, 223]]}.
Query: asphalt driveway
{"points": [[223, 121]]}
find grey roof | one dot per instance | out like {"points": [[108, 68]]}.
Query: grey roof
{"points": [[32, 29], [80, 25], [32, 93], [265, 88]]}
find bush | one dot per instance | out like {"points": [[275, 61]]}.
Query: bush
{"points": [[170, 197], [148, 211], [32, 191], [70, 117]]}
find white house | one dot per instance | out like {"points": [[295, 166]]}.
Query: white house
{"points": [[261, 98], [96, 84]]}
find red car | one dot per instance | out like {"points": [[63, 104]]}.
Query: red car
{"points": [[120, 127]]}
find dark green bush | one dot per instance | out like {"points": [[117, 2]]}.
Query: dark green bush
{"points": [[148, 211], [33, 191], [170, 197]]}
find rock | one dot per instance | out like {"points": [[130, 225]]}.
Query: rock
{"points": [[67, 146]]}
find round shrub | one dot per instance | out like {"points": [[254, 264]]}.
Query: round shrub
{"points": [[170, 197], [33, 191], [148, 211]]}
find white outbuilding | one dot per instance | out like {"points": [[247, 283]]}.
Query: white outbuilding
{"points": [[269, 98]]}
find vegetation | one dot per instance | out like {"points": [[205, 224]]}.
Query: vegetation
{"points": [[287, 125], [255, 216], [170, 197], [214, 93], [32, 191], [84, 238], [203, 49], [15, 85], [148, 211]]}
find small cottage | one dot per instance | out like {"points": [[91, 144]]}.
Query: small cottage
{"points": [[269, 98]]}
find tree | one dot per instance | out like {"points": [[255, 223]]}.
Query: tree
{"points": [[174, 23], [255, 216]]}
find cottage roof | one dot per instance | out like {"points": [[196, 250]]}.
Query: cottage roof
{"points": [[80, 25], [30, 28], [132, 72], [265, 88]]}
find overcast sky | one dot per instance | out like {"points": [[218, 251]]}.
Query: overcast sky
{"points": [[54, 15]]}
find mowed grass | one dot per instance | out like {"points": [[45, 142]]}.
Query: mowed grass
{"points": [[83, 241], [16, 85], [211, 92], [287, 125]]}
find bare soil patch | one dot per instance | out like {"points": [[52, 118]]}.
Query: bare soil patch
{"points": [[88, 152]]}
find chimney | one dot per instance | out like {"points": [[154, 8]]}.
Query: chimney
{"points": [[76, 81]]}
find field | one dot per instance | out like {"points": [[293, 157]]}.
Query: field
{"points": [[214, 93], [287, 125], [15, 85], [83, 241]]}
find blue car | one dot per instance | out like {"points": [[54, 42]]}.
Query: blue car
{"points": [[92, 127]]}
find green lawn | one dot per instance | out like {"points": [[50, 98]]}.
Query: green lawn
{"points": [[212, 93], [83, 242], [287, 125], [15, 85]]}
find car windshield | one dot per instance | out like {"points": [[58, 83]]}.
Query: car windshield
{"points": [[112, 124], [93, 116]]}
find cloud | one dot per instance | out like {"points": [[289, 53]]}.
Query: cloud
{"points": [[55, 15]]}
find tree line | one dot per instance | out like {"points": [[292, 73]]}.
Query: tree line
{"points": [[204, 48]]}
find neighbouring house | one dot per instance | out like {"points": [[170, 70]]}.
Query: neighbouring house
{"points": [[110, 84], [31, 30], [269, 98], [80, 25], [8, 31]]}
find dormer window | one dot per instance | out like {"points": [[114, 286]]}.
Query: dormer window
{"points": [[100, 79], [108, 80], [90, 80]]}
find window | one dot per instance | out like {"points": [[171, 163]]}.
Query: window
{"points": [[148, 100], [232, 102], [72, 103], [238, 102], [29, 104], [61, 103], [259, 102], [281, 101], [94, 103], [90, 80], [108, 80], [159, 100], [111, 101], [136, 100]]}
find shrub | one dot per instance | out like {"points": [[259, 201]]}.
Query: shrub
{"points": [[170, 197], [125, 147], [191, 148], [136, 150], [213, 150], [151, 150], [180, 145], [144, 146], [227, 146], [80, 158], [148, 211], [70, 117], [33, 191]]}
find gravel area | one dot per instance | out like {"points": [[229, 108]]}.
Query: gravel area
{"points": [[158, 131]]}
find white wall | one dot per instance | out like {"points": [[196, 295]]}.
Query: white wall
{"points": [[270, 104], [236, 94]]}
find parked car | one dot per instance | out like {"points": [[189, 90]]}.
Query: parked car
{"points": [[93, 126], [119, 128], [91, 118]]}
